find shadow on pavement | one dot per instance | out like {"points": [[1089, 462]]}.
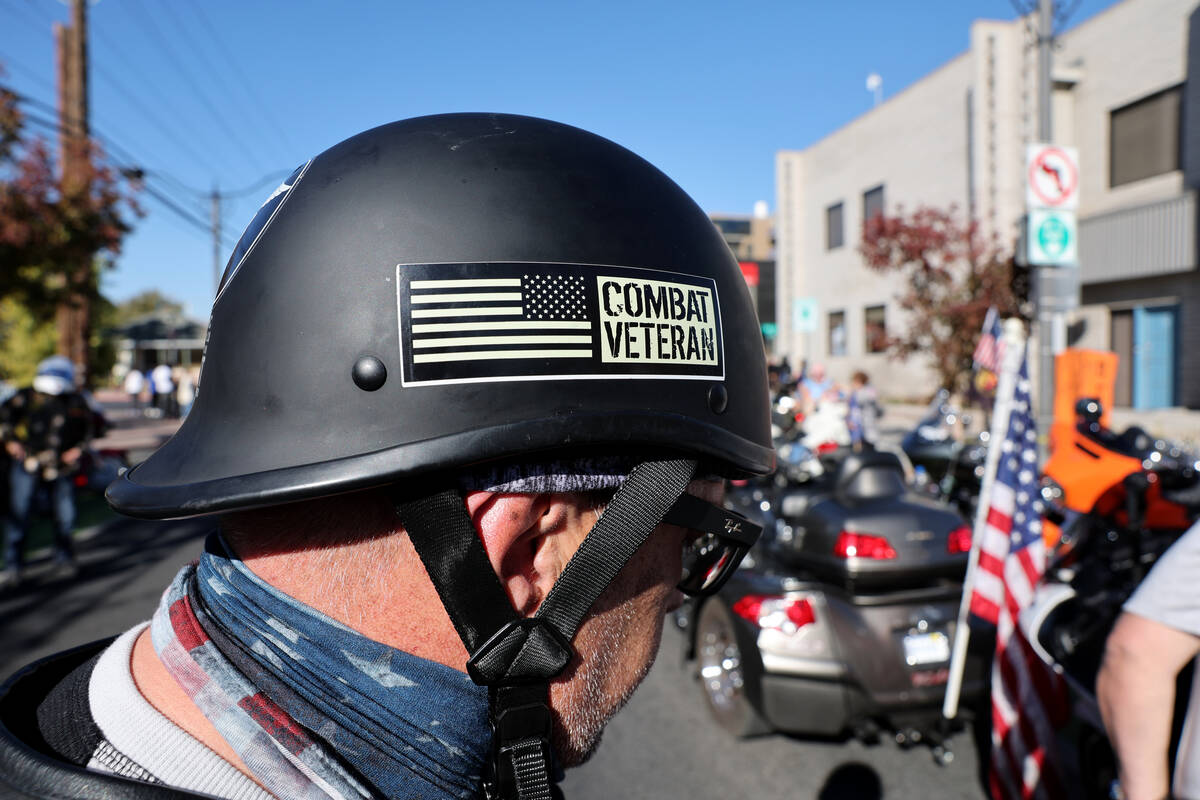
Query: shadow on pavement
{"points": [[854, 779], [37, 612]]}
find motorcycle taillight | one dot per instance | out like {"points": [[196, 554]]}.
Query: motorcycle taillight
{"points": [[786, 614], [863, 545], [959, 540]]}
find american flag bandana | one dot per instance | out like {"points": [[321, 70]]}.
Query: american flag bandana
{"points": [[280, 754], [380, 718]]}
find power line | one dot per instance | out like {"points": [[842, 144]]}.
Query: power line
{"points": [[157, 194], [29, 73], [203, 225], [156, 35], [225, 86], [109, 144], [133, 98], [247, 85], [28, 20], [258, 185]]}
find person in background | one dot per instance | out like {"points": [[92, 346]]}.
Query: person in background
{"points": [[45, 428], [864, 411], [815, 388], [185, 391], [1156, 636], [164, 390], [135, 382]]}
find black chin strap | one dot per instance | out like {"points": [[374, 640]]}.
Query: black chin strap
{"points": [[516, 657]]}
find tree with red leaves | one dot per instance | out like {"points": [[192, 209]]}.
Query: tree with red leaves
{"points": [[953, 274], [50, 225]]}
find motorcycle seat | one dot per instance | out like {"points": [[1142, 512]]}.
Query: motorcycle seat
{"points": [[870, 475]]}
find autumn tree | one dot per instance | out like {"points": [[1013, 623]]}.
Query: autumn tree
{"points": [[50, 226], [952, 274]]}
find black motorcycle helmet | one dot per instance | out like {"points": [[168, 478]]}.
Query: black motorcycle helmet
{"points": [[447, 291]]}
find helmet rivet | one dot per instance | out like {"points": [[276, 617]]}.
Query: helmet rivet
{"points": [[718, 398], [369, 373]]}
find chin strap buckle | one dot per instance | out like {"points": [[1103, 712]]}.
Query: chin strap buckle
{"points": [[526, 650], [522, 759]]}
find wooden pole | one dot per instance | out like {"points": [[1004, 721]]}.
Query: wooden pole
{"points": [[73, 317]]}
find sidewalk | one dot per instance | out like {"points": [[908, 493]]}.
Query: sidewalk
{"points": [[131, 431]]}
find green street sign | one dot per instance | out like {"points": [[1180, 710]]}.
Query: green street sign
{"points": [[804, 314], [1052, 238]]}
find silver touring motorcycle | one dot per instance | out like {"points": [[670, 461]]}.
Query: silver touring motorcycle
{"points": [[839, 622]]}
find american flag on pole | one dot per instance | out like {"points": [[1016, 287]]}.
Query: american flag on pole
{"points": [[1028, 699], [990, 350]]}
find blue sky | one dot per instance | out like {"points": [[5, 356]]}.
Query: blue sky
{"points": [[235, 92]]}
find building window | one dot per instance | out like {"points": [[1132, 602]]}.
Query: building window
{"points": [[1144, 138], [837, 333], [833, 227], [872, 203], [875, 329]]}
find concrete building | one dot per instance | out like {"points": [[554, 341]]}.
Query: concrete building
{"points": [[957, 138], [752, 240]]}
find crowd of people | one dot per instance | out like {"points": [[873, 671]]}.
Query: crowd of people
{"points": [[811, 388], [162, 390]]}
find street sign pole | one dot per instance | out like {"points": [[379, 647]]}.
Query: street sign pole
{"points": [[1050, 322]]}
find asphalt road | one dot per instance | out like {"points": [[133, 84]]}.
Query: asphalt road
{"points": [[663, 744], [124, 568]]}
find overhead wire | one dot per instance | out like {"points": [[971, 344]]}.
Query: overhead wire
{"points": [[109, 145], [147, 21], [254, 106], [132, 97], [171, 204], [145, 173], [181, 141]]}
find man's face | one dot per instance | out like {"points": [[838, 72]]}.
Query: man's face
{"points": [[617, 643]]}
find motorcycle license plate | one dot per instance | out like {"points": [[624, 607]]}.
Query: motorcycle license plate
{"points": [[926, 648]]}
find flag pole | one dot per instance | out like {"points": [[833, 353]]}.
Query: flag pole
{"points": [[1014, 348]]}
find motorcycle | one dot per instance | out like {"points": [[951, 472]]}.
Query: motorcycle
{"points": [[949, 462], [840, 619], [1112, 505]]}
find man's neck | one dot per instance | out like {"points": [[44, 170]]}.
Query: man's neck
{"points": [[163, 692]]}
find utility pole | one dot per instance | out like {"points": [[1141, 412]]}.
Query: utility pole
{"points": [[73, 317], [216, 234], [1052, 325]]}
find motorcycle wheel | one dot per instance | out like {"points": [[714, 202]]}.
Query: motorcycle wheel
{"points": [[722, 675]]}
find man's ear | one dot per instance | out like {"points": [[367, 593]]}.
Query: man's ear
{"points": [[529, 538]]}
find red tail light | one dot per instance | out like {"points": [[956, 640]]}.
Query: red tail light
{"points": [[862, 545], [772, 611], [959, 540], [827, 447], [81, 480]]}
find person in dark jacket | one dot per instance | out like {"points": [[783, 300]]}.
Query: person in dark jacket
{"points": [[44, 428]]}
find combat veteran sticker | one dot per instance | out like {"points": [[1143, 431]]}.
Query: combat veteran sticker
{"points": [[461, 323]]}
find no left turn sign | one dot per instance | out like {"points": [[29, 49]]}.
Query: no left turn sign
{"points": [[1052, 177]]}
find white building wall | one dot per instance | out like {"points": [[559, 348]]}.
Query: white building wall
{"points": [[915, 145]]}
